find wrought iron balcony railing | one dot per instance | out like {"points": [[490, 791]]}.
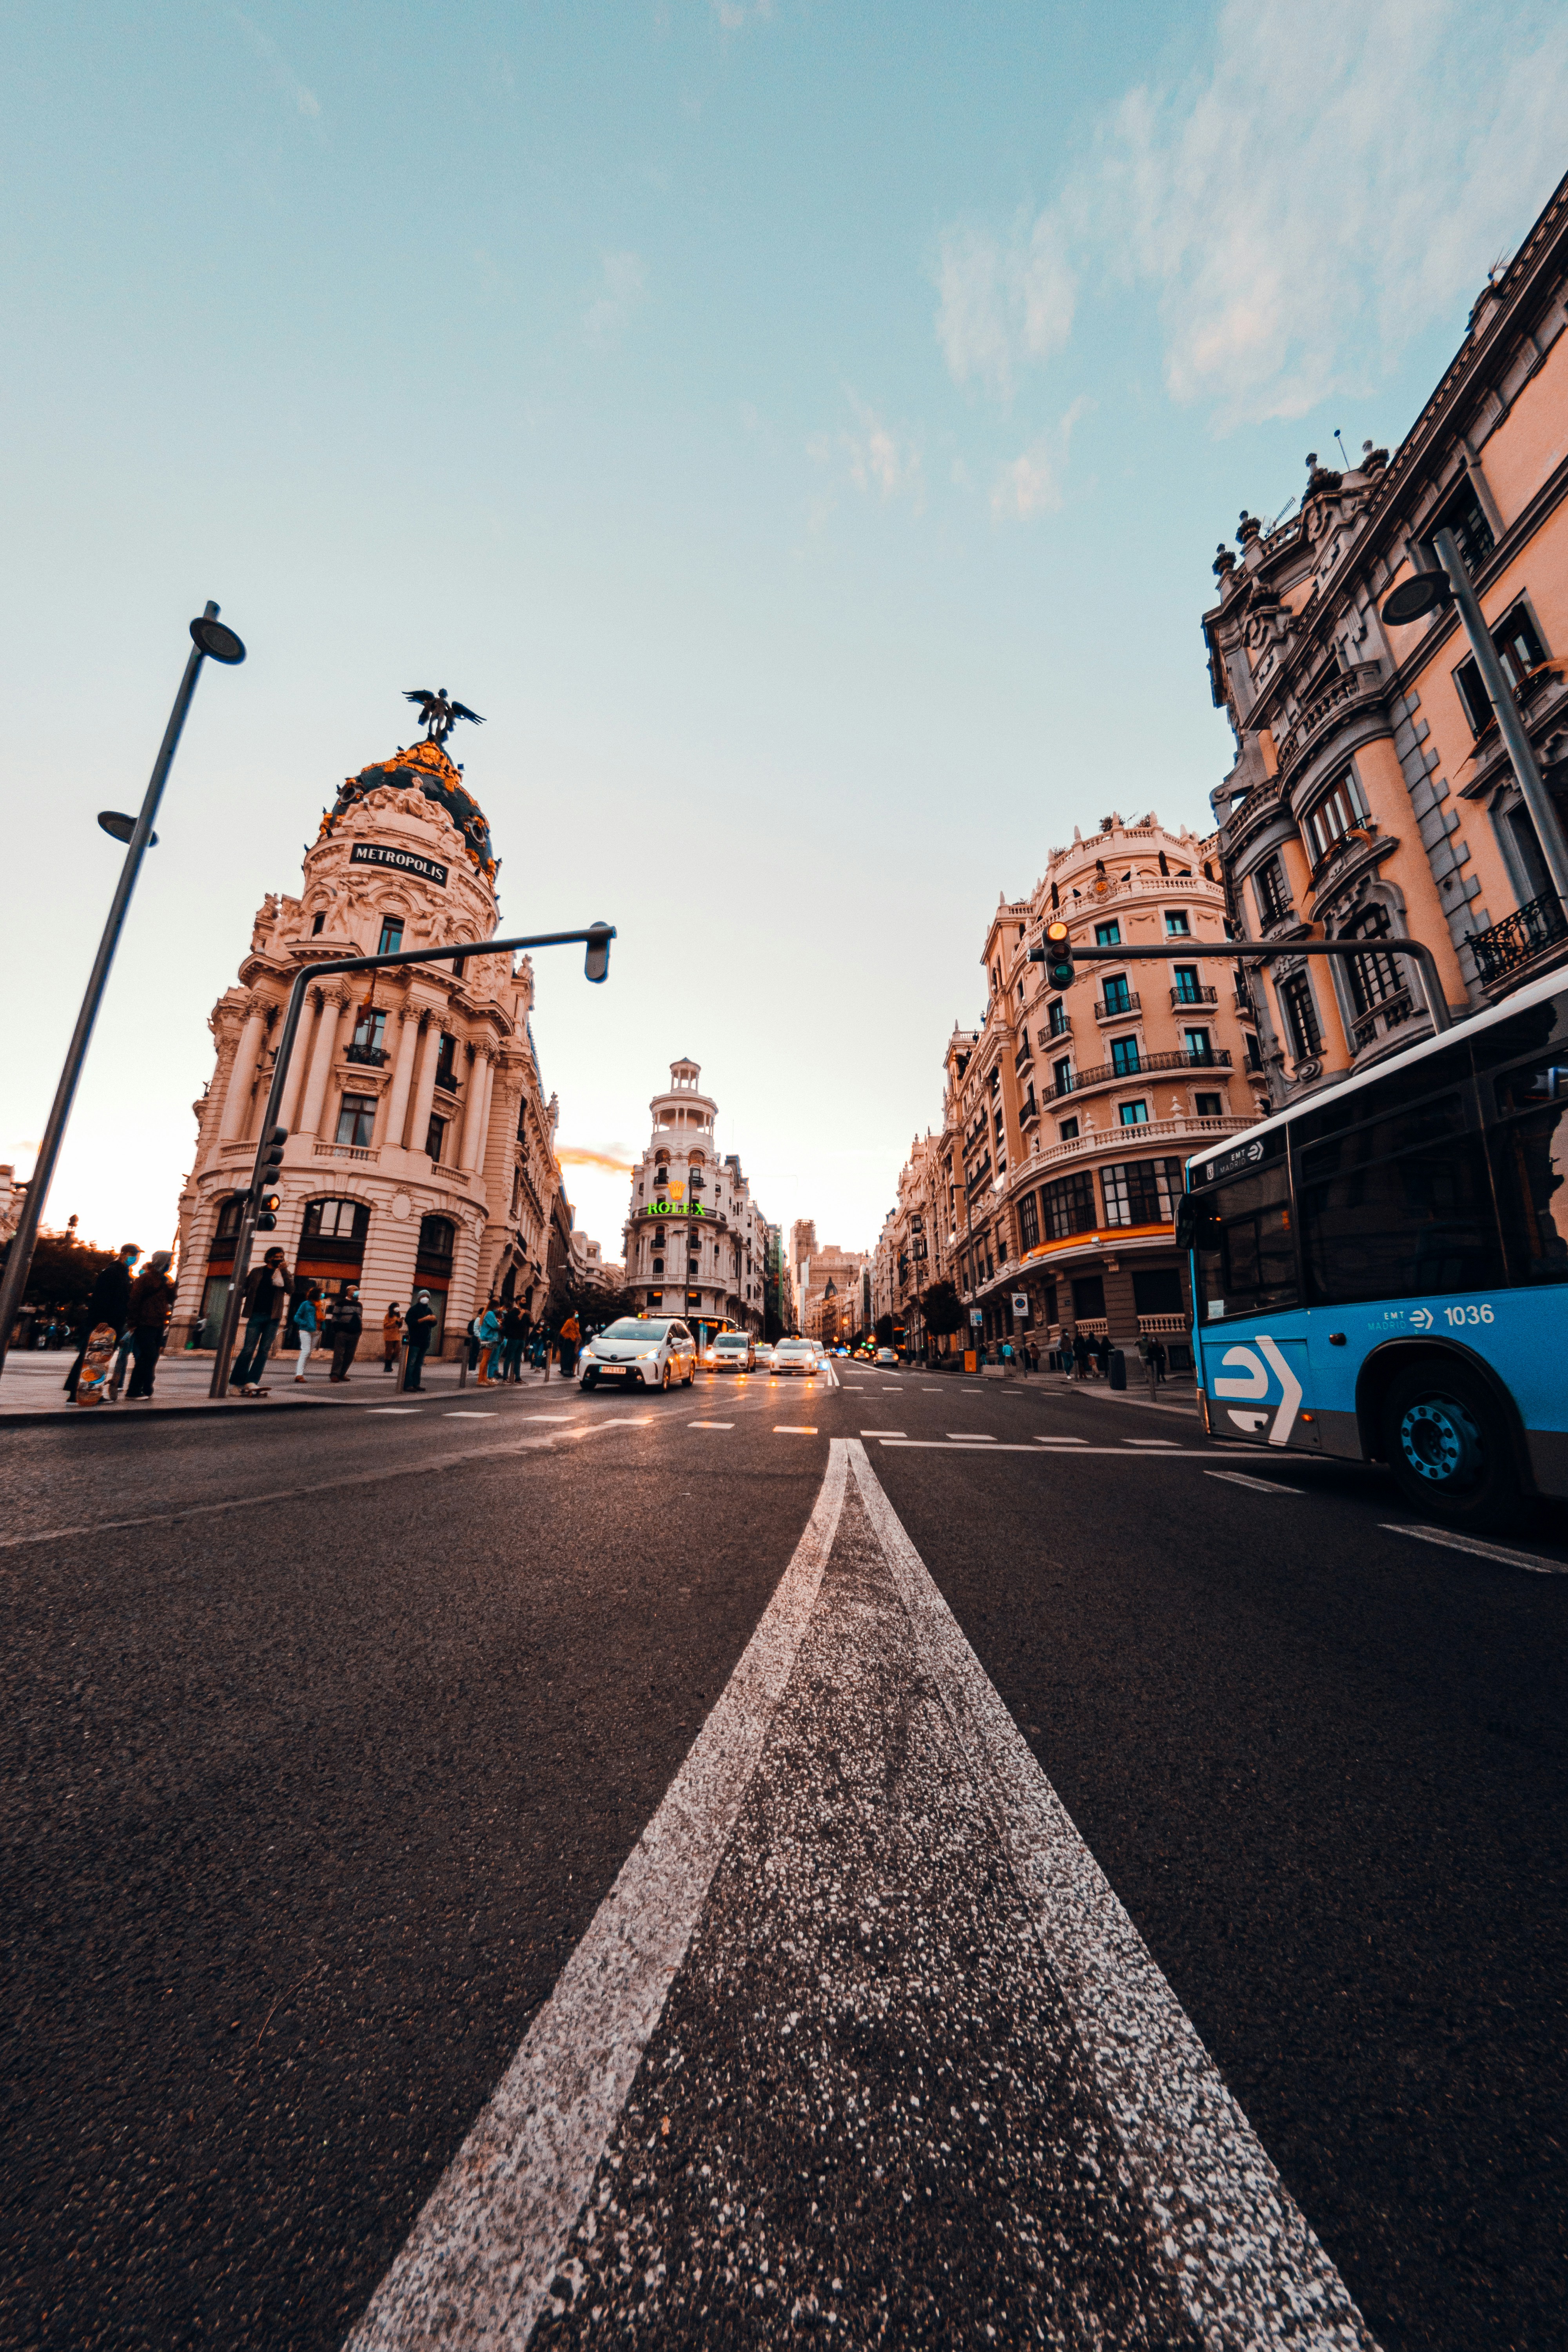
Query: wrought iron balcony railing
{"points": [[1188, 992], [1120, 1007], [1111, 1074], [1519, 939]]}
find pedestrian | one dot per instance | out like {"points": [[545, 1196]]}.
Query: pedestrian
{"points": [[488, 1327], [571, 1333], [121, 1359], [151, 1304], [475, 1342], [1080, 1355], [1158, 1351], [111, 1297], [418, 1325], [391, 1337], [304, 1322], [269, 1288], [1032, 1356], [344, 1323], [512, 1331], [1103, 1355], [1007, 1357]]}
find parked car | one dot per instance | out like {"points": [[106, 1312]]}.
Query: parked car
{"points": [[654, 1352], [795, 1356], [734, 1352]]}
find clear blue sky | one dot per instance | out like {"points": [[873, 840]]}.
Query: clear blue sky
{"points": [[803, 430]]}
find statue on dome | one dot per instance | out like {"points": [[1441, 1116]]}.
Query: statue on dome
{"points": [[440, 715]]}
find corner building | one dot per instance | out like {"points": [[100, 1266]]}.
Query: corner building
{"points": [[696, 1242], [421, 1148]]}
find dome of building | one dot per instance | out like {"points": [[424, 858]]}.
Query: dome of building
{"points": [[424, 768]]}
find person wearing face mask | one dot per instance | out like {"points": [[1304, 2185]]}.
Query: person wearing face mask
{"points": [[418, 1325], [344, 1322], [152, 1303]]}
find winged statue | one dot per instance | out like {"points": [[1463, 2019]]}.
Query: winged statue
{"points": [[440, 715]]}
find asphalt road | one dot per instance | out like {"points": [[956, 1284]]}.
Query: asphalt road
{"points": [[330, 1736]]}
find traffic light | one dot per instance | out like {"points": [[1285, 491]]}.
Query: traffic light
{"points": [[596, 962], [267, 1199], [1058, 956]]}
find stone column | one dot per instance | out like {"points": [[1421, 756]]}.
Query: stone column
{"points": [[334, 1004], [425, 1092], [299, 1060], [472, 1154], [395, 1102], [236, 1101]]}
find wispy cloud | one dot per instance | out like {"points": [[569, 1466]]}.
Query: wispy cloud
{"points": [[624, 292], [733, 15], [878, 459], [1030, 485], [1328, 186], [574, 1155], [302, 100]]}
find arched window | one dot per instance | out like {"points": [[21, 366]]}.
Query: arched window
{"points": [[436, 1236], [1374, 979], [335, 1221], [228, 1218]]}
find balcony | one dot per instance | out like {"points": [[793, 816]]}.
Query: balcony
{"points": [[1185, 993], [1122, 1008], [1151, 1065], [1392, 1013], [1047, 1036], [1126, 1140], [1030, 1110], [1024, 1054], [1518, 946], [1354, 691], [369, 1057], [366, 1152]]}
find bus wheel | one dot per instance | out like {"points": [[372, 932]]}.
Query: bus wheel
{"points": [[1445, 1442]]}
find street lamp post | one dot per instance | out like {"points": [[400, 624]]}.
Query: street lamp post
{"points": [[209, 636], [268, 1149]]}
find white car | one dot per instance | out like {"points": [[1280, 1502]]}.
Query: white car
{"points": [[886, 1356], [795, 1356], [764, 1362], [733, 1352], [651, 1351]]}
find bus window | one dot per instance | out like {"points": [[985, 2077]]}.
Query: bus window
{"points": [[1529, 1160], [1246, 1261], [1399, 1207]]}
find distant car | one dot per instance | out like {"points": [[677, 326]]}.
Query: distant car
{"points": [[734, 1352], [652, 1351], [765, 1363], [795, 1356], [888, 1356]]}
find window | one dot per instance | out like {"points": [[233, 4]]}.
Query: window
{"points": [[370, 1031], [1400, 1206], [435, 1135], [1069, 1205], [334, 1221], [1341, 812], [1133, 1114], [1124, 1055], [1188, 988], [356, 1121], [1250, 1265], [229, 1218], [318, 927], [1272, 895], [1209, 1106], [1118, 995], [1142, 1192], [446, 1062], [1530, 1158], [1066, 1131], [658, 1265], [1300, 1016], [1108, 935], [1061, 1074], [436, 1236], [1466, 517], [1176, 924], [1254, 1051], [1057, 1017], [1089, 1297], [391, 935], [1157, 1290], [1519, 650], [1198, 1045], [1374, 979], [1028, 1222]]}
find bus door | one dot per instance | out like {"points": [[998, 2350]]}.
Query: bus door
{"points": [[1250, 1332]]}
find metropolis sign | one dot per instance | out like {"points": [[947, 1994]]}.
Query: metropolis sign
{"points": [[371, 853]]}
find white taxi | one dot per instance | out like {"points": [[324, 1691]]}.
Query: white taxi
{"points": [[733, 1352], [795, 1356], [650, 1351]]}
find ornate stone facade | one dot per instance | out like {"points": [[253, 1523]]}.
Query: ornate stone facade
{"points": [[421, 1147], [696, 1242]]}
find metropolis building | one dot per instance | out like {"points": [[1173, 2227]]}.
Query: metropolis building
{"points": [[696, 1242], [420, 1151]]}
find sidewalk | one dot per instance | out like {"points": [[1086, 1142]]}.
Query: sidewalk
{"points": [[32, 1387]]}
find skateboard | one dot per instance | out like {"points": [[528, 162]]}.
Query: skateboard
{"points": [[102, 1346]]}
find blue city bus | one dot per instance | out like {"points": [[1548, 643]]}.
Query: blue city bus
{"points": [[1381, 1272]]}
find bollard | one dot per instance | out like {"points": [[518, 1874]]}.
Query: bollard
{"points": [[1117, 1369]]}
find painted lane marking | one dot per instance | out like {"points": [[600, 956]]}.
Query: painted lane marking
{"points": [[1061, 1441], [972, 1436], [552, 1416], [796, 1428], [710, 1424], [1259, 1485], [460, 1414], [1243, 2261], [1527, 1559], [476, 2265], [881, 1433], [1035, 1452], [1151, 1441], [393, 1407]]}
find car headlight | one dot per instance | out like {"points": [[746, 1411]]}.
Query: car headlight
{"points": [[644, 1352]]}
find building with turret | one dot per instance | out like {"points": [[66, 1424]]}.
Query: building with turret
{"points": [[421, 1144], [696, 1242]]}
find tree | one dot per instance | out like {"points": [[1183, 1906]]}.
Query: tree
{"points": [[942, 1309], [63, 1272]]}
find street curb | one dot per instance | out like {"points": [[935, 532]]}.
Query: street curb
{"points": [[96, 1413]]}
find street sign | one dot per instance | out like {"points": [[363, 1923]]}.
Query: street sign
{"points": [[1020, 1305], [976, 1316]]}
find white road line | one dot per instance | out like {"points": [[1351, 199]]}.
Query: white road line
{"points": [[1061, 1441], [1528, 1560], [881, 1433], [796, 1428], [1259, 1485], [710, 1424], [1243, 2260], [1146, 1442], [552, 1416], [1037, 1451], [462, 1414], [393, 1407], [971, 1436], [476, 2265]]}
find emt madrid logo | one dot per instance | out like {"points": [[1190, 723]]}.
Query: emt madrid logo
{"points": [[1260, 1375]]}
